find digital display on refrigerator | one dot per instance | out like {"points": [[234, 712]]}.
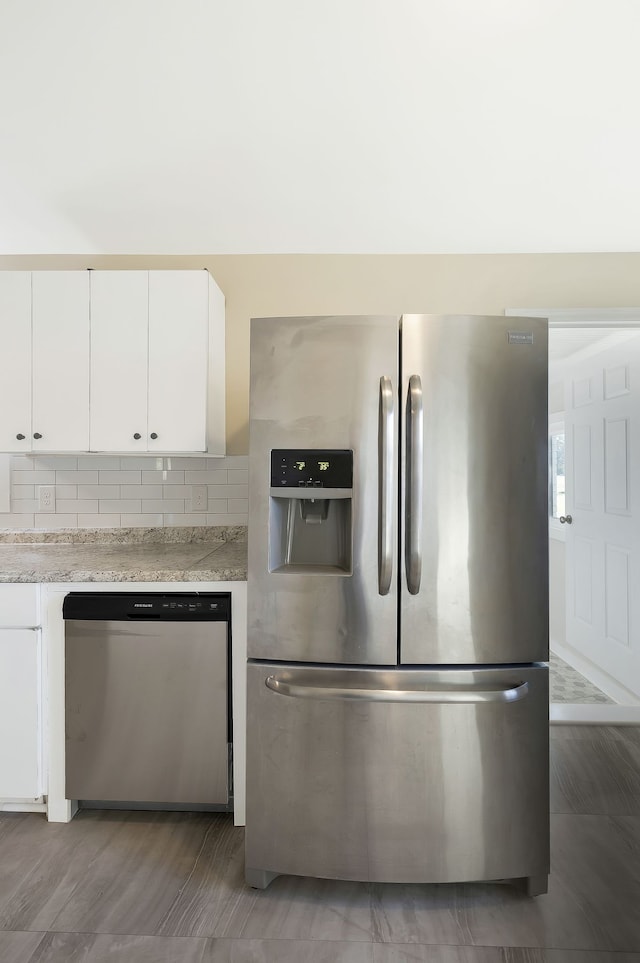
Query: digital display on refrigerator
{"points": [[311, 468]]}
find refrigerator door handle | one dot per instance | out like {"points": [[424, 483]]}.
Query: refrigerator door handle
{"points": [[385, 486], [413, 501], [442, 696]]}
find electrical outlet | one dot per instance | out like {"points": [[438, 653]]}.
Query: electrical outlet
{"points": [[199, 498], [46, 498]]}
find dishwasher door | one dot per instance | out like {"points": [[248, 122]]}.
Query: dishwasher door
{"points": [[146, 712]]}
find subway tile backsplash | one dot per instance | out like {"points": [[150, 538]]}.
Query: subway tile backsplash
{"points": [[111, 491]]}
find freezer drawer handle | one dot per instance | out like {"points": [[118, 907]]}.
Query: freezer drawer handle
{"points": [[385, 487], [443, 696], [413, 500]]}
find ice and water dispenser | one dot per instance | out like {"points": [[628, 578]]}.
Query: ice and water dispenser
{"points": [[310, 511]]}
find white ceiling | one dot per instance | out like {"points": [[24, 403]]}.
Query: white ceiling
{"points": [[234, 126]]}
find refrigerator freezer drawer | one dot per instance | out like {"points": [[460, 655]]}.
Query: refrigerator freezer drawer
{"points": [[398, 775]]}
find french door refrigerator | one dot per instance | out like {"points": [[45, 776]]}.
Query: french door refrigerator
{"points": [[398, 600]]}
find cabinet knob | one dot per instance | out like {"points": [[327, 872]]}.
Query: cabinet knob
{"points": [[20, 437], [37, 435], [137, 436], [154, 435]]}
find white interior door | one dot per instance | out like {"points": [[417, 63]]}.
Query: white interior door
{"points": [[15, 361], [119, 355], [602, 421], [60, 361]]}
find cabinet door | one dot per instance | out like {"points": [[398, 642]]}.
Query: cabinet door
{"points": [[119, 332], [15, 361], [178, 349], [19, 714], [60, 361]]}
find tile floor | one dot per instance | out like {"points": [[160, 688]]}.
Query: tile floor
{"points": [[114, 887], [568, 685]]}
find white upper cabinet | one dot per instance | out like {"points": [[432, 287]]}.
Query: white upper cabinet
{"points": [[44, 363], [149, 361], [60, 352], [119, 360], [124, 361], [15, 361], [178, 345]]}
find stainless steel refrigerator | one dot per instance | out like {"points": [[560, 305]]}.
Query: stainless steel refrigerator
{"points": [[398, 600]]}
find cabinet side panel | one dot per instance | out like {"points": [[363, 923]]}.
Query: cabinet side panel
{"points": [[216, 380]]}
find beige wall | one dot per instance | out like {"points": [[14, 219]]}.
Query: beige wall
{"points": [[263, 285]]}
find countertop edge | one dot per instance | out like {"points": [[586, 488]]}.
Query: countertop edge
{"points": [[211, 575]]}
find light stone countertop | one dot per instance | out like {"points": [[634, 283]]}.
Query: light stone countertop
{"points": [[104, 561]]}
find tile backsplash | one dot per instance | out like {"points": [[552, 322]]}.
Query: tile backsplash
{"points": [[126, 491]]}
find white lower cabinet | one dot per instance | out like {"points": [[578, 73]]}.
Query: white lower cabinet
{"points": [[20, 714], [21, 776], [32, 690]]}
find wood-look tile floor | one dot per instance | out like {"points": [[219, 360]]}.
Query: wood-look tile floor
{"points": [[114, 887]]}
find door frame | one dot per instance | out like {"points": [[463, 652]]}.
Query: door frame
{"points": [[615, 318]]}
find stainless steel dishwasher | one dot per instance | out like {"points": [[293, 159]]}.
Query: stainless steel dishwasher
{"points": [[147, 699]]}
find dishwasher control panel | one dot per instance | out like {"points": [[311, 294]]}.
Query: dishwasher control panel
{"points": [[182, 606], [196, 606]]}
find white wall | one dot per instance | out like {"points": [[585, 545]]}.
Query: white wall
{"points": [[159, 126]]}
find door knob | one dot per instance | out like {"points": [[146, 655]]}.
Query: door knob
{"points": [[154, 435], [566, 519], [137, 436], [20, 437], [37, 435]]}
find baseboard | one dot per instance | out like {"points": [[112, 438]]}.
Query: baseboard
{"points": [[594, 714], [16, 806]]}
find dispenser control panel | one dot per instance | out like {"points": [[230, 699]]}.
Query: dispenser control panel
{"points": [[311, 468]]}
